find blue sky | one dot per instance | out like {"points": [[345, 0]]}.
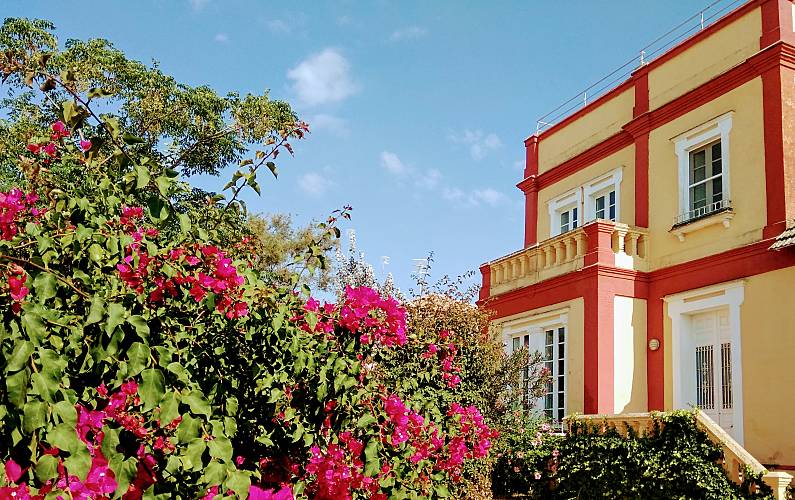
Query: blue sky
{"points": [[418, 109]]}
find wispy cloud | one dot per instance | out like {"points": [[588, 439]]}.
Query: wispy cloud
{"points": [[329, 123], [221, 37], [315, 183], [408, 33], [433, 180], [393, 165], [278, 26], [323, 78], [480, 144], [198, 4]]}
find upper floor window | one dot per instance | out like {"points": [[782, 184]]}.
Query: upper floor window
{"points": [[602, 196], [703, 155], [565, 212], [606, 206]]}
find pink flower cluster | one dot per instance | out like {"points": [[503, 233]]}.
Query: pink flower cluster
{"points": [[375, 318], [50, 149], [16, 286], [15, 208], [446, 355], [206, 269]]}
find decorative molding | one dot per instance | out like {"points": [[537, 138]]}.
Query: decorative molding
{"points": [[599, 186], [723, 218]]}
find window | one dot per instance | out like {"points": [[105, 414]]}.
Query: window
{"points": [[706, 178], [555, 363], [565, 212], [703, 170], [568, 220], [606, 206]]}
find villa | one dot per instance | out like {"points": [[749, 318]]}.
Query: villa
{"points": [[658, 268]]}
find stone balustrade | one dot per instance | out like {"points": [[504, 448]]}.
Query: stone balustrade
{"points": [[567, 252]]}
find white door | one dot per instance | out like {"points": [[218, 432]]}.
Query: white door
{"points": [[712, 369], [551, 343]]}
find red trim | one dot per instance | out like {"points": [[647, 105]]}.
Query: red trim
{"points": [[754, 66], [673, 52], [776, 14], [776, 467], [485, 282], [530, 213], [531, 156], [599, 235], [642, 180], [585, 159], [774, 149]]}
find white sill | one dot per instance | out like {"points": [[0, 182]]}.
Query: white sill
{"points": [[723, 218]]}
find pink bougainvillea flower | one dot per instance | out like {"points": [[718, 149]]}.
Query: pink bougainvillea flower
{"points": [[13, 470], [85, 145], [257, 493], [59, 128], [49, 149]]}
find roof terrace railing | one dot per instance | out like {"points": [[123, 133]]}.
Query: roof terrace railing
{"points": [[695, 23]]}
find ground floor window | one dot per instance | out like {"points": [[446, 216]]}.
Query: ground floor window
{"points": [[551, 343]]}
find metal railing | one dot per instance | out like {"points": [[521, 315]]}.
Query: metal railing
{"points": [[695, 23], [698, 213]]}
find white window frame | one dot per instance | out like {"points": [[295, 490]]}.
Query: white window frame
{"points": [[602, 186], [681, 307], [684, 144], [538, 324], [567, 201]]}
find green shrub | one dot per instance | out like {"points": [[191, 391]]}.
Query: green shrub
{"points": [[674, 460]]}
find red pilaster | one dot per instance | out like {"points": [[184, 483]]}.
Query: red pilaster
{"points": [[777, 22], [600, 246], [485, 282], [640, 134], [529, 187], [774, 151], [598, 349], [655, 360]]}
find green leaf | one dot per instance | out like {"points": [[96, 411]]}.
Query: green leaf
{"points": [[198, 403], [35, 416], [97, 311], [193, 454], [184, 223], [163, 184], [214, 473], [272, 167], [19, 357], [66, 412], [78, 462], [140, 324], [98, 92], [96, 253], [110, 441], [238, 481], [188, 429], [152, 388], [17, 387], [137, 358], [46, 468], [169, 408], [442, 491], [34, 326], [129, 138], [46, 286], [116, 314], [142, 176], [366, 421], [372, 463], [64, 437], [220, 448]]}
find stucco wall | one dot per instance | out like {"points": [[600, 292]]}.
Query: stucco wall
{"points": [[629, 355], [592, 128], [747, 180], [703, 61], [625, 158]]}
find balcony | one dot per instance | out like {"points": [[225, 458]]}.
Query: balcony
{"points": [[605, 242]]}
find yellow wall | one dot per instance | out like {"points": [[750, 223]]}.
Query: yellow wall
{"points": [[625, 158], [604, 121], [767, 338], [575, 346], [703, 61], [629, 355], [747, 179], [768, 350]]}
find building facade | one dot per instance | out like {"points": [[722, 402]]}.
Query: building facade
{"points": [[647, 277]]}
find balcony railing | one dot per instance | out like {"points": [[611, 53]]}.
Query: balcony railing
{"points": [[566, 253], [701, 212]]}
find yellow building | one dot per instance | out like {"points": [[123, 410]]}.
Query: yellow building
{"points": [[647, 277]]}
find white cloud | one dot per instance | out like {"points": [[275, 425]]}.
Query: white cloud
{"points": [[278, 26], [330, 123], [452, 194], [428, 179], [408, 33], [198, 4], [480, 144], [221, 37], [489, 196], [392, 163], [314, 183], [323, 78]]}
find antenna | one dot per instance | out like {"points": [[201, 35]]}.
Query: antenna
{"points": [[421, 270], [384, 262]]}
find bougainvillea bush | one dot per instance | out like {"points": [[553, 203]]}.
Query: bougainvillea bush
{"points": [[144, 355]]}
